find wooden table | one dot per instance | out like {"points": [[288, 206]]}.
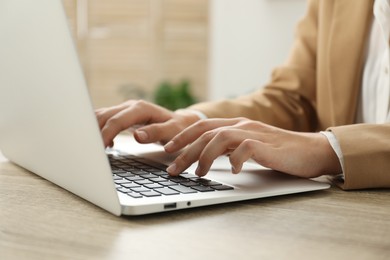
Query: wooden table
{"points": [[39, 220]]}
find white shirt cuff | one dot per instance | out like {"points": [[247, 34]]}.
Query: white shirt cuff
{"points": [[335, 146], [196, 112]]}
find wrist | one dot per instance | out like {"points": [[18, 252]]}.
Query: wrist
{"points": [[331, 162], [190, 116], [187, 117]]}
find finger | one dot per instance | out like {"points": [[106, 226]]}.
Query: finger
{"points": [[136, 113], [246, 150], [159, 132], [224, 141], [207, 148], [187, 157], [114, 125], [122, 120], [193, 132], [103, 114]]}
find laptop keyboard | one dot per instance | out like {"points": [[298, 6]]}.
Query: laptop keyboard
{"points": [[140, 178]]}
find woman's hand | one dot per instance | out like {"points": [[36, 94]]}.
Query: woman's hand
{"points": [[157, 123], [302, 154]]}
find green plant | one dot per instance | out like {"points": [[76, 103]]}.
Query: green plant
{"points": [[174, 96]]}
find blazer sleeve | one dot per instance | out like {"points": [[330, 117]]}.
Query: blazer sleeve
{"points": [[366, 152], [288, 101]]}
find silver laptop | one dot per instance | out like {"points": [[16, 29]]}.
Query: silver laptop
{"points": [[48, 126]]}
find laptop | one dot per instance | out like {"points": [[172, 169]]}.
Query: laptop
{"points": [[48, 126]]}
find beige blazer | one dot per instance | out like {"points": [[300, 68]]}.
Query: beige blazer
{"points": [[318, 88]]}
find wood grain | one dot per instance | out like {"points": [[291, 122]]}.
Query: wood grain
{"points": [[39, 220]]}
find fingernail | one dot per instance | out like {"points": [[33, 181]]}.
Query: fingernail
{"points": [[172, 168], [168, 146], [236, 170], [198, 171], [107, 144], [142, 135]]}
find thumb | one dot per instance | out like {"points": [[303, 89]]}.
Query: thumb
{"points": [[158, 132]]}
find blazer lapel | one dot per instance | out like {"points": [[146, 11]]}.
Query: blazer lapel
{"points": [[351, 23]]}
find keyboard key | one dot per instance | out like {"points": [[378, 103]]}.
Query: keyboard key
{"points": [[150, 194], [125, 157], [117, 171], [159, 173], [153, 186], [149, 176], [223, 187], [120, 165], [115, 177], [143, 182], [159, 179], [189, 184], [140, 189], [202, 188], [137, 165], [167, 191], [123, 189], [125, 174], [128, 168], [149, 169], [121, 181], [182, 189], [206, 182], [134, 195], [143, 167], [168, 183], [138, 172], [134, 178], [127, 160], [131, 185], [178, 179]]}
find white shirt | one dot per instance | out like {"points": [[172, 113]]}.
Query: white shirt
{"points": [[375, 92]]}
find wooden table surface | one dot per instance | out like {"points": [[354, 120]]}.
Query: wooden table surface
{"points": [[39, 220]]}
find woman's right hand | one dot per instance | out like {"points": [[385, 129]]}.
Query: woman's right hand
{"points": [[154, 123]]}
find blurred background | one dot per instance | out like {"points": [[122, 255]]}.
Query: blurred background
{"points": [[187, 50]]}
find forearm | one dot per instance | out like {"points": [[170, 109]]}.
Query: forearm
{"points": [[289, 99], [272, 106], [366, 154]]}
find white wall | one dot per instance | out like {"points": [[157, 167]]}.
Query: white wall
{"points": [[248, 38]]}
